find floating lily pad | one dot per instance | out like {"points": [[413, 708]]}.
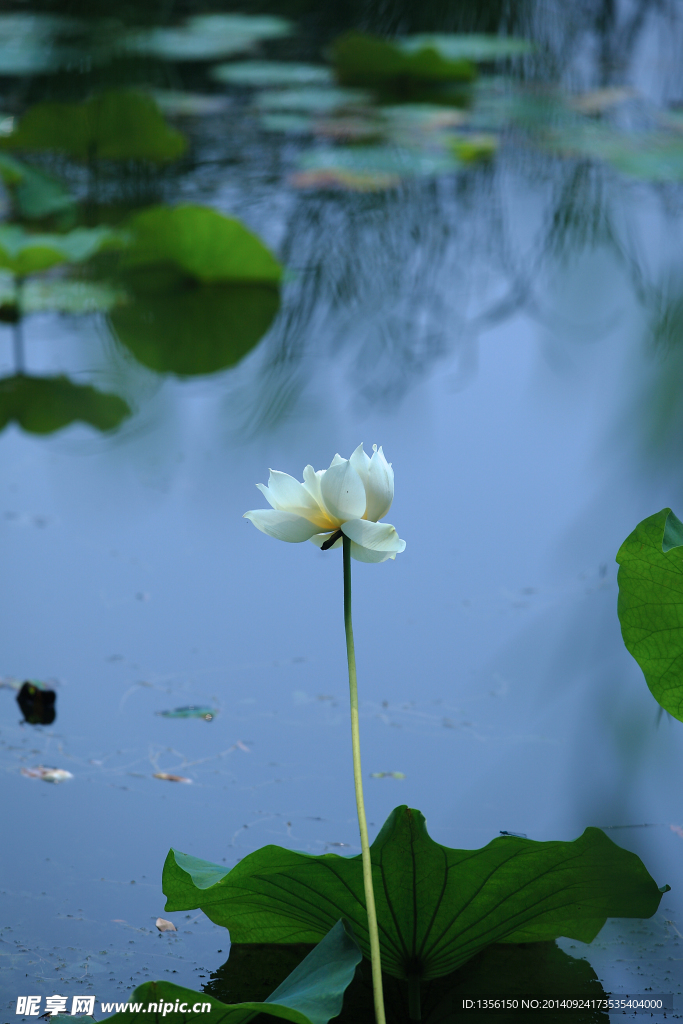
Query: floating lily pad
{"points": [[196, 329], [208, 36], [338, 179], [295, 124], [272, 73], [364, 60], [30, 43], [422, 117], [59, 295], [42, 405], [175, 103], [202, 242], [77, 298], [366, 167], [651, 156], [311, 101], [23, 253], [312, 994], [34, 193], [205, 713], [470, 47], [651, 605], [472, 147], [436, 907], [114, 125]]}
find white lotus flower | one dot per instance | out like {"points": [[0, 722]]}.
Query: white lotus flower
{"points": [[349, 497]]}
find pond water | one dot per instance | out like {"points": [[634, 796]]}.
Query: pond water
{"points": [[508, 329]]}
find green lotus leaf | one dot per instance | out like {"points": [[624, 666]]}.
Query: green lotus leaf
{"points": [[436, 907], [118, 124], [23, 253], [369, 61], [202, 242], [42, 405], [196, 329], [312, 994], [650, 605]]}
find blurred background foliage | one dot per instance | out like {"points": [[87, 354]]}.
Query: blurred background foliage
{"points": [[366, 117]]}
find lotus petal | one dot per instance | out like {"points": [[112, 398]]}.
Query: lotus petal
{"points": [[282, 525], [343, 492]]}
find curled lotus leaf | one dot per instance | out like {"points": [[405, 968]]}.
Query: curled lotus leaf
{"points": [[312, 994]]}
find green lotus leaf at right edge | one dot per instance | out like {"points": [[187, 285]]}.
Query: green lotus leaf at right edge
{"points": [[651, 605]]}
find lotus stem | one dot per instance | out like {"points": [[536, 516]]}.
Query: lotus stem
{"points": [[17, 333], [414, 1009], [360, 803]]}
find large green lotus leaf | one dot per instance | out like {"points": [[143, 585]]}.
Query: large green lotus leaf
{"points": [[42, 405], [272, 73], [474, 46], [23, 253], [499, 971], [208, 36], [650, 605], [204, 243], [35, 194], [366, 60], [195, 330], [312, 994], [119, 124], [436, 907]]}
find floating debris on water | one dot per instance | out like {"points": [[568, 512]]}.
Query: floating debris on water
{"points": [[387, 775], [47, 774], [165, 926], [171, 778], [37, 702], [191, 711], [517, 835]]}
